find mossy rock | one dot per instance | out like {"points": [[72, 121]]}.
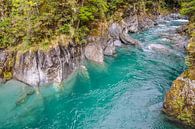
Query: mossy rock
{"points": [[7, 75], [180, 100]]}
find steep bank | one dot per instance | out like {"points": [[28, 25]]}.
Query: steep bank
{"points": [[38, 67], [179, 102]]}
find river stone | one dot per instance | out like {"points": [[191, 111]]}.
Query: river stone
{"points": [[94, 52]]}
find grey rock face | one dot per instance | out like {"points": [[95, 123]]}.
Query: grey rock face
{"points": [[130, 23], [110, 48], [115, 30], [37, 68], [128, 40], [117, 43], [94, 52]]}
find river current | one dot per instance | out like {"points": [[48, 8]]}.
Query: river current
{"points": [[126, 92]]}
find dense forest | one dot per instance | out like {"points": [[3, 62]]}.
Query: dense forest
{"points": [[31, 22]]}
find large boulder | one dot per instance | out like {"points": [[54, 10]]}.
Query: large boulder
{"points": [[179, 102], [94, 52]]}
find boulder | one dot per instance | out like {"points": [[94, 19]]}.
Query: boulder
{"points": [[179, 102], [94, 52]]}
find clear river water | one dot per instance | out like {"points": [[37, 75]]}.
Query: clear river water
{"points": [[126, 92]]}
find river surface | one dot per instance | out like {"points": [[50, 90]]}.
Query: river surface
{"points": [[126, 92]]}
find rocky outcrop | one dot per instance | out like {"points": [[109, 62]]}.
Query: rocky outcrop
{"points": [[114, 30], [144, 23], [127, 39], [110, 48], [131, 23], [41, 67], [94, 52], [7, 60], [38, 67], [180, 100]]}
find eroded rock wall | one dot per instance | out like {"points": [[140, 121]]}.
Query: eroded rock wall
{"points": [[38, 67]]}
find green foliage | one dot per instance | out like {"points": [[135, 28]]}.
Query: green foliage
{"points": [[81, 34], [93, 9], [188, 8], [65, 29], [31, 22], [86, 14]]}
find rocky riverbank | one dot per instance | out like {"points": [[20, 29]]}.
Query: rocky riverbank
{"points": [[179, 102], [38, 67]]}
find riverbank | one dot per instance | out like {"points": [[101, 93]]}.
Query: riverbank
{"points": [[127, 91], [37, 66], [179, 102]]}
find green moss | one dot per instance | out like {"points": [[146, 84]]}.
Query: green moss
{"points": [[7, 75], [185, 116]]}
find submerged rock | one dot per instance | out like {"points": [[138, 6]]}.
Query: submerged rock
{"points": [[180, 100], [159, 48]]}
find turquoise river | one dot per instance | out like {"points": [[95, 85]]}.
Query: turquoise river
{"points": [[126, 92]]}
